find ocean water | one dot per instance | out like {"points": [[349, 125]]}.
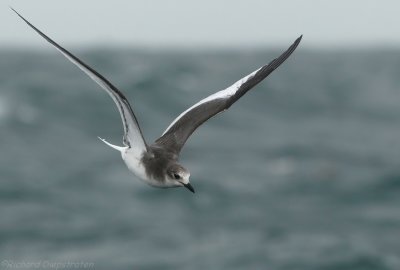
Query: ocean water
{"points": [[301, 173]]}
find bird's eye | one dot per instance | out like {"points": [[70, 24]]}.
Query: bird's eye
{"points": [[177, 176]]}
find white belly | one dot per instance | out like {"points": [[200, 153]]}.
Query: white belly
{"points": [[134, 164], [132, 161]]}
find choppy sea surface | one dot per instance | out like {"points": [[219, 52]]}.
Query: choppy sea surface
{"points": [[301, 173]]}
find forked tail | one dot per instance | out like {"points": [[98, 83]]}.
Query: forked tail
{"points": [[116, 147]]}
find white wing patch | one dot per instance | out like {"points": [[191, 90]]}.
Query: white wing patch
{"points": [[223, 94]]}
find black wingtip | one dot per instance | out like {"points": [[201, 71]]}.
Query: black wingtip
{"points": [[292, 48], [297, 41], [19, 15], [14, 10]]}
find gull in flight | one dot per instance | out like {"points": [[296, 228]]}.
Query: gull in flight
{"points": [[157, 164]]}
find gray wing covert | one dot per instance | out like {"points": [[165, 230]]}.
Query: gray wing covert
{"points": [[175, 136]]}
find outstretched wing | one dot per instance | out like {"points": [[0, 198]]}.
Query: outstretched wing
{"points": [[132, 134], [175, 136]]}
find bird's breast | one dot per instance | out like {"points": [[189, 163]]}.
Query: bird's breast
{"points": [[136, 165]]}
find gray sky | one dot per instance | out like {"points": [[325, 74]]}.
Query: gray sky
{"points": [[212, 23]]}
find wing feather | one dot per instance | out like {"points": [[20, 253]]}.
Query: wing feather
{"points": [[132, 134], [176, 134]]}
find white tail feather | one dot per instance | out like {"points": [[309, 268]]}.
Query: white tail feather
{"points": [[116, 147]]}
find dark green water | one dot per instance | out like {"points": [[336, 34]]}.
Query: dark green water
{"points": [[302, 173]]}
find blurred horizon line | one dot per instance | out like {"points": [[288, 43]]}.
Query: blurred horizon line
{"points": [[192, 47]]}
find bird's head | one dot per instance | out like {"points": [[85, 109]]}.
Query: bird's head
{"points": [[178, 176]]}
